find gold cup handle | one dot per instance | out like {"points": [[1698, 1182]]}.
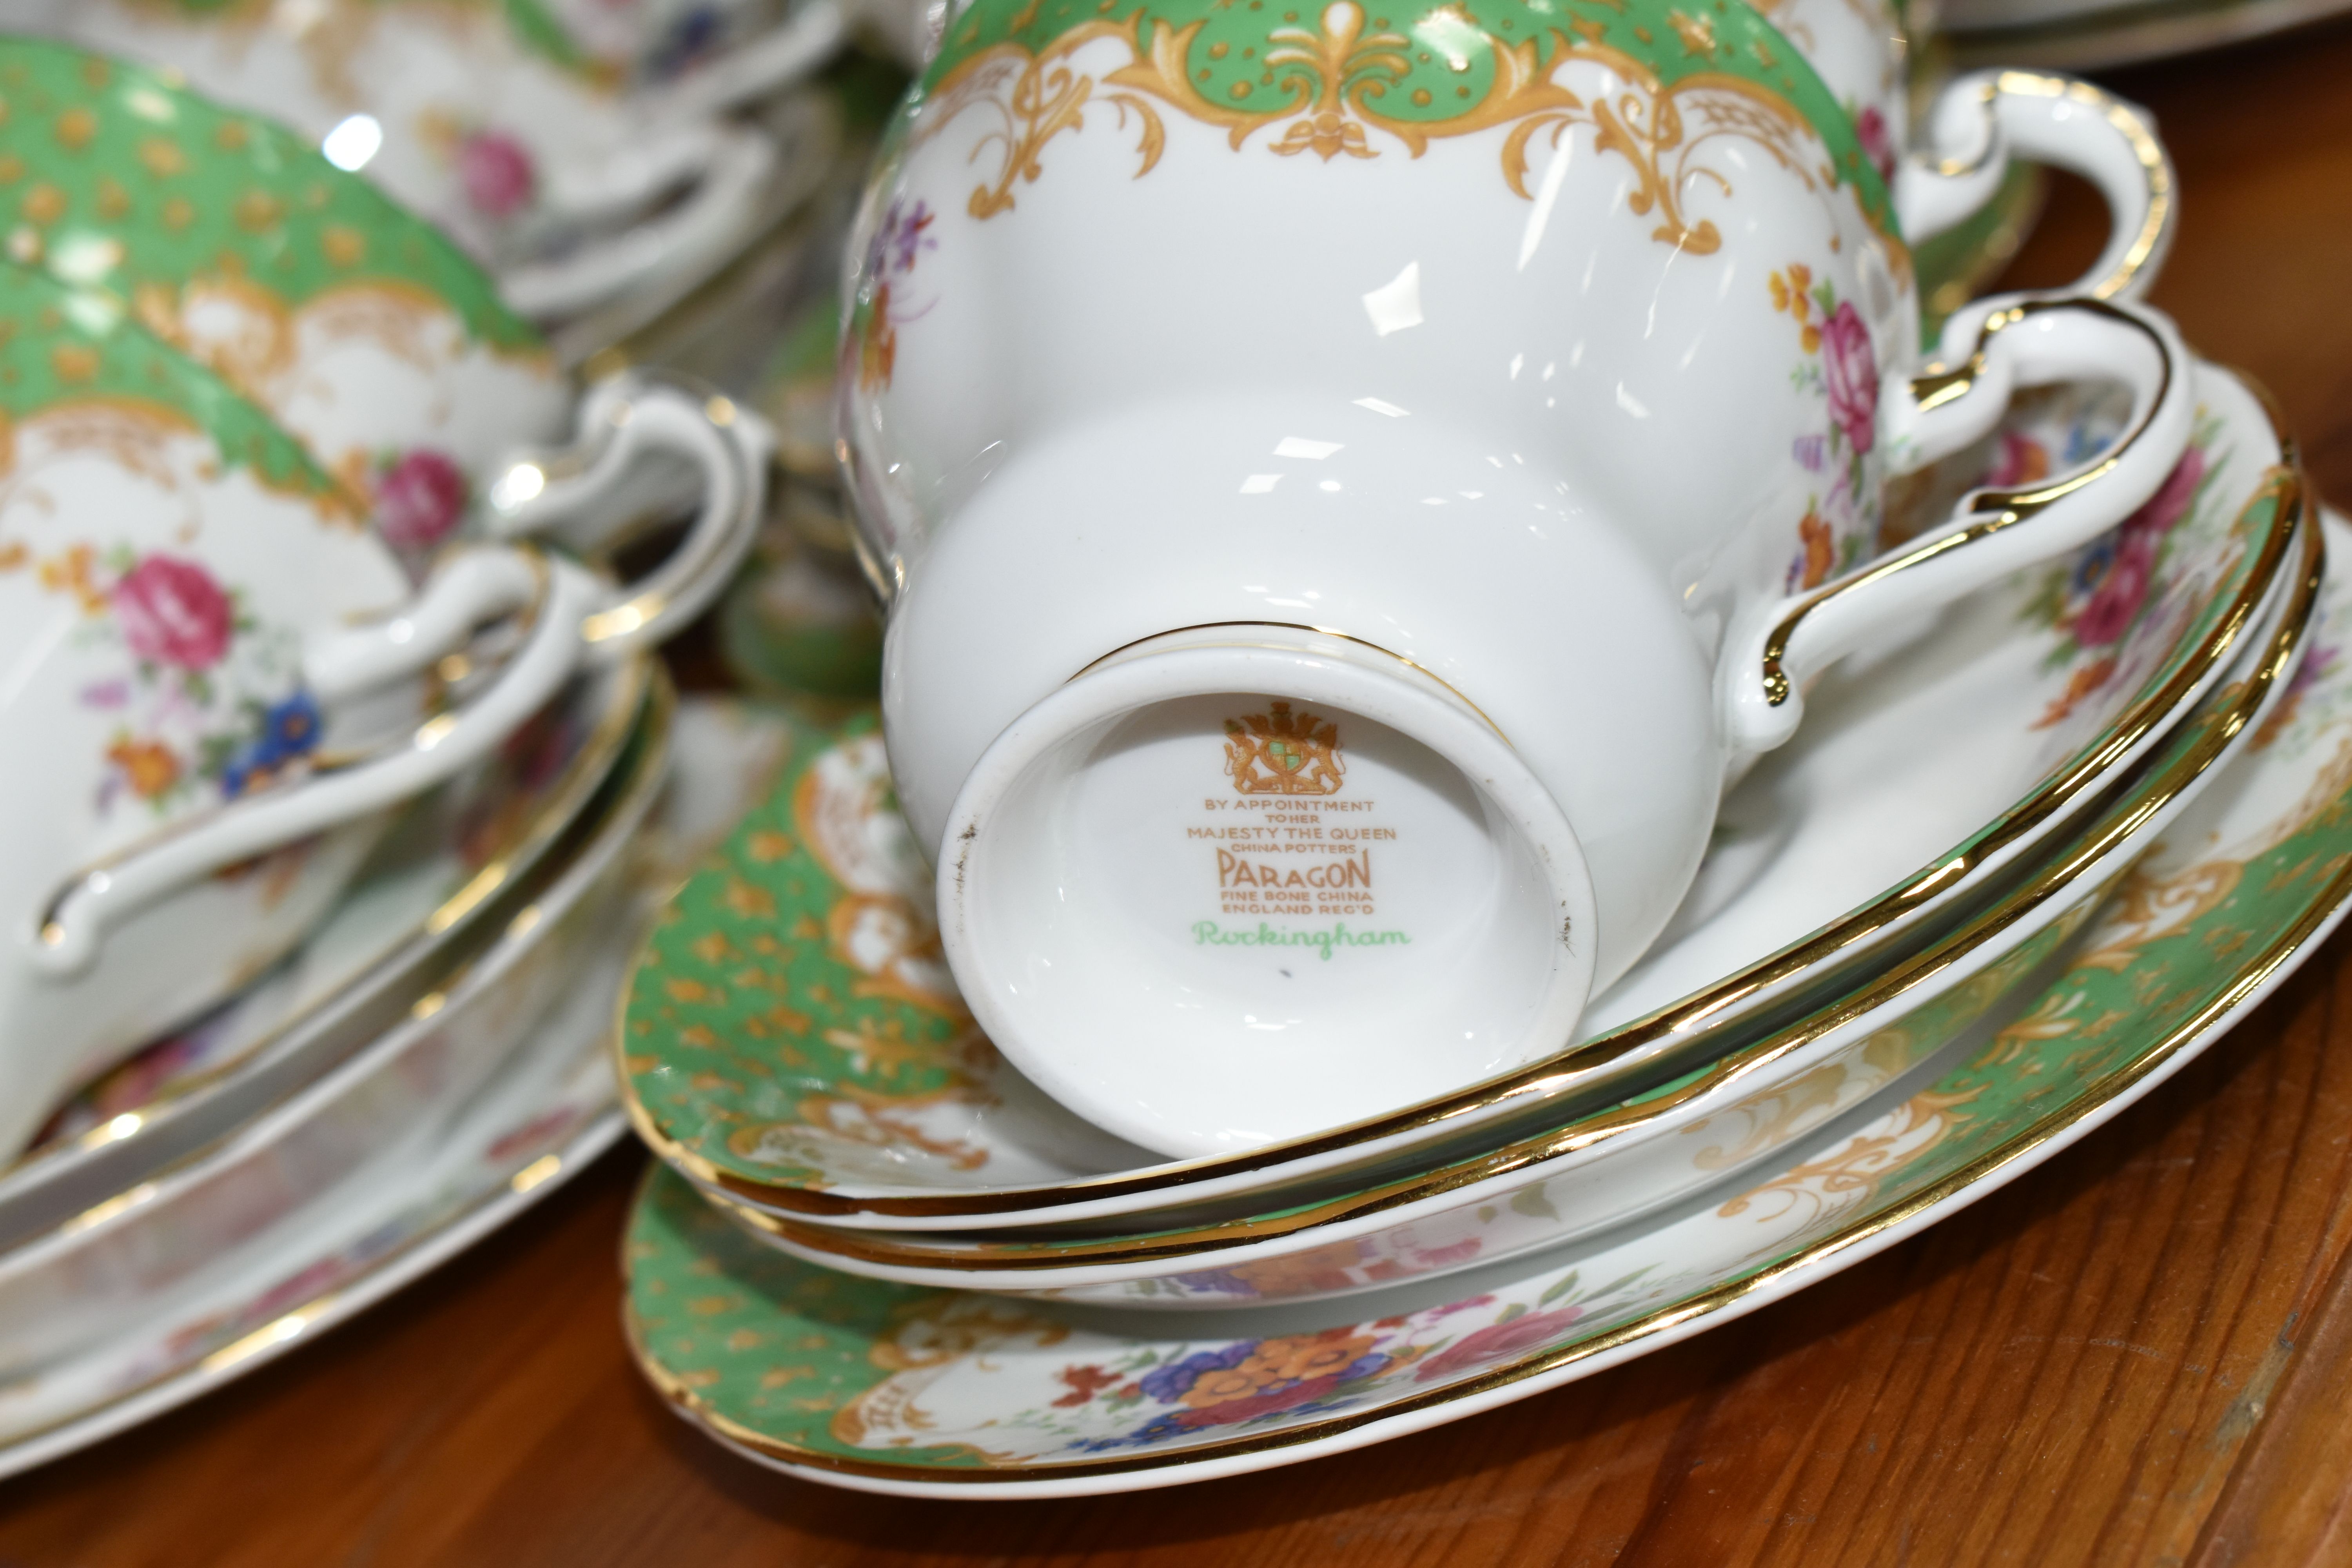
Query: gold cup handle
{"points": [[1992, 349], [1982, 122]]}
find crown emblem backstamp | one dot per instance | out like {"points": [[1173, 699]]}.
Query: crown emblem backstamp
{"points": [[1278, 753]]}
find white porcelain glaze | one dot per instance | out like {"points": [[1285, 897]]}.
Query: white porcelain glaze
{"points": [[1885, 823], [936, 1369], [1489, 395], [230, 680], [456, 866], [427, 1141], [1606, 1182]]}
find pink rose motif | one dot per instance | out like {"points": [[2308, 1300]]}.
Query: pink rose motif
{"points": [[419, 499], [2123, 589], [2121, 593], [172, 612], [1851, 369], [497, 172], [1495, 1342], [1876, 145], [2170, 504]]}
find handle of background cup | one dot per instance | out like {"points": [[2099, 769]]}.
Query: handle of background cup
{"points": [[787, 53], [1989, 350], [801, 45], [343, 668], [730, 165], [1980, 122], [628, 424]]}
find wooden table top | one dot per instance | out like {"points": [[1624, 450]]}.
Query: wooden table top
{"points": [[2137, 1353]]}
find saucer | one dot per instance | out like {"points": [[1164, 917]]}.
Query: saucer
{"points": [[954, 1393], [438, 893], [230, 1261], [831, 1074], [1609, 1168]]}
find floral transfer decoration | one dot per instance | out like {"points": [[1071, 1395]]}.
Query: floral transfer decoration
{"points": [[1346, 81], [851, 1365], [212, 703], [2091, 602], [870, 345], [1840, 367], [208, 700], [828, 1370], [419, 497]]}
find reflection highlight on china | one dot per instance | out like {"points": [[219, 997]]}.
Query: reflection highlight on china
{"points": [[1427, 476]]}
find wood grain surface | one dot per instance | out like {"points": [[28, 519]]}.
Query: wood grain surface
{"points": [[2139, 1353]]}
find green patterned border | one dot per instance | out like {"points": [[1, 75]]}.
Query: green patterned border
{"points": [[1421, 65], [115, 177], [58, 347]]}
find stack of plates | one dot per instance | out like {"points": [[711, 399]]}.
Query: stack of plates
{"points": [[2012, 874], [429, 1063]]}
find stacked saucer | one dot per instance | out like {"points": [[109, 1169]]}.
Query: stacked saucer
{"points": [[2025, 867], [344, 773], [993, 1165]]}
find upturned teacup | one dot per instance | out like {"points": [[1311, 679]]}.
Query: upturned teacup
{"points": [[1356, 482], [221, 680]]}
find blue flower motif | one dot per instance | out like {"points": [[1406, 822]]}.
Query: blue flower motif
{"points": [[2092, 569], [290, 728], [1170, 1383], [689, 40]]}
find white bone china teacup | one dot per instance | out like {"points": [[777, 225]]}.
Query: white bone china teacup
{"points": [[1355, 482], [220, 680]]}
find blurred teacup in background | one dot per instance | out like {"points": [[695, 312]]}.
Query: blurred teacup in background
{"points": [[230, 678], [362, 329], [569, 190]]}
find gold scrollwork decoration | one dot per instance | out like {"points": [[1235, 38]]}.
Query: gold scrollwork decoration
{"points": [[1048, 97], [1652, 136], [1330, 82]]}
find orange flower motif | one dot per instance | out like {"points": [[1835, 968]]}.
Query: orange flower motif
{"points": [[1308, 1355], [1820, 552], [1789, 294], [2087, 680], [877, 348], [152, 767], [70, 572], [1316, 1268], [1220, 1385]]}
